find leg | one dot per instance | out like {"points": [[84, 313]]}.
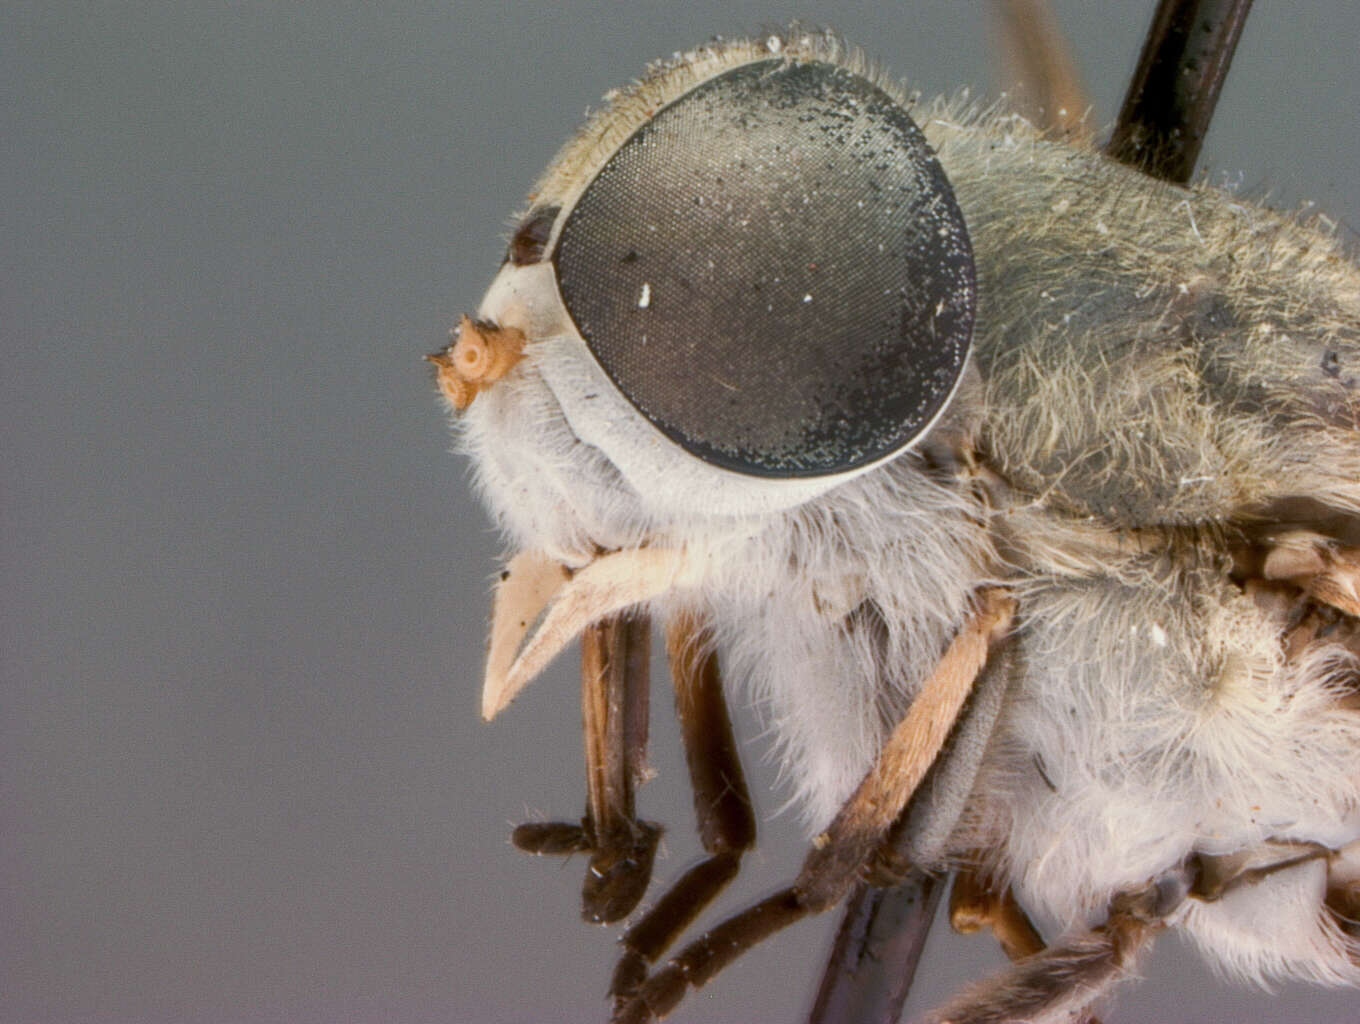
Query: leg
{"points": [[614, 670], [1327, 571], [975, 904], [877, 948], [722, 804], [1060, 982], [1038, 65], [1310, 583], [884, 929], [841, 854]]}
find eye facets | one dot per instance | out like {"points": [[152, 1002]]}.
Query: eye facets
{"points": [[774, 271]]}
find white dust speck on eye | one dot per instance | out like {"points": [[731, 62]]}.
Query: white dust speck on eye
{"points": [[1194, 228], [774, 44], [1102, 227], [1062, 206], [807, 297], [1158, 635], [645, 299]]}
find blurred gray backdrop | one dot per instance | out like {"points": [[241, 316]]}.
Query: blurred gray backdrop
{"points": [[242, 776]]}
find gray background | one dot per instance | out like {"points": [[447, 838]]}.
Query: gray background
{"points": [[241, 772]]}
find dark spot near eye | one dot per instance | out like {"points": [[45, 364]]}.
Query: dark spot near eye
{"points": [[1216, 315], [1331, 363], [505, 575], [868, 618], [531, 236], [629, 257], [1043, 772], [1203, 311]]}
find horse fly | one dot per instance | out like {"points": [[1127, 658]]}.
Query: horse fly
{"points": [[1021, 489]]}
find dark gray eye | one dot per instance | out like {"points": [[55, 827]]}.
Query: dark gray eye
{"points": [[774, 271]]}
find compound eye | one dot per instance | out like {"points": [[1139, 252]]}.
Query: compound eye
{"points": [[774, 271]]}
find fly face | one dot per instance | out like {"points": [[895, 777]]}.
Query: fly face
{"points": [[749, 284]]}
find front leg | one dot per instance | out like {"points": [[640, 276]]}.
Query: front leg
{"points": [[1059, 983], [888, 917], [614, 689], [722, 804]]}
